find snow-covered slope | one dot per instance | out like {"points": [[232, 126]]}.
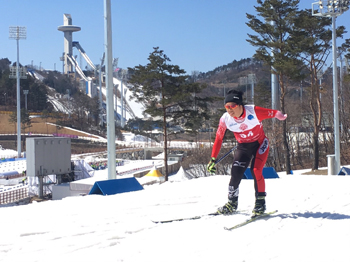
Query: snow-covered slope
{"points": [[312, 224]]}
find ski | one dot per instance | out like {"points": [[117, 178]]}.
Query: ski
{"points": [[187, 218], [192, 218], [252, 219]]}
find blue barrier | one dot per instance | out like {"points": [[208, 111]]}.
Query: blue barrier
{"points": [[344, 171], [268, 172], [115, 186], [11, 159]]}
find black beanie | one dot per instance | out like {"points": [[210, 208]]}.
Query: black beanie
{"points": [[234, 96]]}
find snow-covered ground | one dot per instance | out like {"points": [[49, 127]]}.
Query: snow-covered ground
{"points": [[312, 224], [7, 153]]}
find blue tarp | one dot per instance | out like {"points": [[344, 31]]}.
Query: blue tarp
{"points": [[344, 171], [268, 172], [115, 186]]}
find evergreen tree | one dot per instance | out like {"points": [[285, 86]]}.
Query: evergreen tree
{"points": [[167, 95], [45, 115], [7, 85], [81, 102], [346, 47], [13, 119], [275, 49], [312, 39], [37, 97], [25, 121]]}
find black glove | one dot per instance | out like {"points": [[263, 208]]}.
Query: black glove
{"points": [[211, 166]]}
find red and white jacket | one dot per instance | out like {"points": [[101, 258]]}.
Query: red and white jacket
{"points": [[247, 128]]}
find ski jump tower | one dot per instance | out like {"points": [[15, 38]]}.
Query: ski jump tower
{"points": [[67, 28], [70, 64]]}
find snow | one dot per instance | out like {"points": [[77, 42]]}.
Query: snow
{"points": [[312, 223], [136, 107], [7, 153], [57, 104]]}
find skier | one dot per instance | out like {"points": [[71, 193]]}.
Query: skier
{"points": [[253, 146]]}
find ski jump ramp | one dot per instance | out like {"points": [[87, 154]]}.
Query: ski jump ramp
{"points": [[82, 52], [133, 109]]}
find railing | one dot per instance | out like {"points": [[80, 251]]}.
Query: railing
{"points": [[134, 170], [13, 194]]}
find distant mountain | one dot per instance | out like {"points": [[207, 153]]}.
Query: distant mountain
{"points": [[228, 76]]}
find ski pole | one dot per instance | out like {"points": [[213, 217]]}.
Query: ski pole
{"points": [[222, 158]]}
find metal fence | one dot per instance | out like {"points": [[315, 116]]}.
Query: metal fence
{"points": [[12, 194]]}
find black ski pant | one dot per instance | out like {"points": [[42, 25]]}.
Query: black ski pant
{"points": [[245, 153]]}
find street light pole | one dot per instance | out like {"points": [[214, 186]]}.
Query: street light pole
{"points": [[335, 100], [100, 84], [109, 88], [17, 33], [333, 9], [25, 92]]}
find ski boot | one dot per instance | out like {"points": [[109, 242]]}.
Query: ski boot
{"points": [[260, 205], [230, 207]]}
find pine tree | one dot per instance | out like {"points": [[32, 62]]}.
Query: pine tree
{"points": [[312, 39], [275, 49], [167, 94]]}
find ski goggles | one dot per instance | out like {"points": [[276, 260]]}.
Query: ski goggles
{"points": [[231, 106]]}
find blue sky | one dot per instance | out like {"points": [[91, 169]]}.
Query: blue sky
{"points": [[195, 34]]}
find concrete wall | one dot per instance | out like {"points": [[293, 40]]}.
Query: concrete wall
{"points": [[63, 190], [131, 155]]}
